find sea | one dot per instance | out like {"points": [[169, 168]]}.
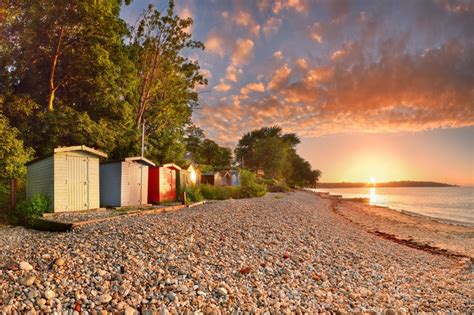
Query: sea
{"points": [[452, 204]]}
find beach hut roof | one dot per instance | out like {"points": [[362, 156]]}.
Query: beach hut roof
{"points": [[81, 148], [70, 149], [140, 159], [172, 165]]}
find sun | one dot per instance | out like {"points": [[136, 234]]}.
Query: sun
{"points": [[373, 181]]}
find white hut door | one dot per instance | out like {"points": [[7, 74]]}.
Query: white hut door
{"points": [[135, 184], [77, 183]]}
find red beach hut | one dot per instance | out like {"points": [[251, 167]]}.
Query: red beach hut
{"points": [[162, 184]]}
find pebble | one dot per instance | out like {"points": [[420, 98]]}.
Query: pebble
{"points": [[129, 311], [291, 255], [28, 280], [221, 291], [49, 294], [171, 296], [105, 298], [24, 265]]}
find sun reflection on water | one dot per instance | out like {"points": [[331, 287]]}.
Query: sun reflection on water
{"points": [[373, 196]]}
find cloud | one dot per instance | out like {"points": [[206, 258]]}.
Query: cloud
{"points": [[301, 63], [222, 87], [397, 92], [315, 32], [253, 87], [297, 5], [242, 51], [280, 77], [243, 18], [215, 45], [233, 73], [271, 26], [278, 54]]}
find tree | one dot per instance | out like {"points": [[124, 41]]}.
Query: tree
{"points": [[13, 154], [69, 59], [301, 174], [272, 155], [212, 154], [164, 74], [165, 95], [245, 151], [193, 140], [269, 150]]}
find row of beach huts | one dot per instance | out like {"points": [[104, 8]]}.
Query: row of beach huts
{"points": [[75, 179]]}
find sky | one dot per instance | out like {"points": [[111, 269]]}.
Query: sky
{"points": [[380, 89]]}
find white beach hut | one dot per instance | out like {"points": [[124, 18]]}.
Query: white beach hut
{"points": [[69, 177]]}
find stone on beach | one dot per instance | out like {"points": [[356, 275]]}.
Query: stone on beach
{"points": [[24, 265], [291, 255]]}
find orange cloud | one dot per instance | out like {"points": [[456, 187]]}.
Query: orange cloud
{"points": [[233, 73], [398, 92], [255, 87], [222, 87], [271, 26], [280, 77], [242, 51], [215, 45]]}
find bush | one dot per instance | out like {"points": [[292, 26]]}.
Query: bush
{"points": [[29, 210], [214, 192], [249, 185], [193, 194], [233, 192]]}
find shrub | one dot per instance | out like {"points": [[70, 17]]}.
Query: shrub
{"points": [[233, 192], [249, 185], [193, 194], [214, 192], [29, 210]]}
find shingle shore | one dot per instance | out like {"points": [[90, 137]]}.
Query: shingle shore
{"points": [[277, 254]]}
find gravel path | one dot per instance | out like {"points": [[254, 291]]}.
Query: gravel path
{"points": [[289, 254]]}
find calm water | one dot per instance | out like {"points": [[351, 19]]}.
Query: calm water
{"points": [[447, 203]]}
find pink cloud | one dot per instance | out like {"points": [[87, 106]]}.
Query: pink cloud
{"points": [[242, 51]]}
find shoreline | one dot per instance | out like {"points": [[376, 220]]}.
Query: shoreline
{"points": [[411, 229], [406, 212]]}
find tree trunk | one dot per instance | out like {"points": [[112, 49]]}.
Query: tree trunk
{"points": [[52, 73]]}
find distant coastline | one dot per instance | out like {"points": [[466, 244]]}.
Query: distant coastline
{"points": [[405, 183]]}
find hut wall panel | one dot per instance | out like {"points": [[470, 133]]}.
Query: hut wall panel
{"points": [[110, 188], [144, 171], [40, 179], [125, 184]]}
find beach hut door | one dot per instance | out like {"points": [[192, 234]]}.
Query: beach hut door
{"points": [[77, 183], [135, 184]]}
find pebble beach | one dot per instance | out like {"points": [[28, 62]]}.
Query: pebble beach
{"points": [[288, 253]]}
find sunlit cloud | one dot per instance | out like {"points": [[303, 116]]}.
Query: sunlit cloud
{"points": [[242, 51], [280, 77], [272, 26], [253, 87], [222, 87], [215, 45], [233, 73]]}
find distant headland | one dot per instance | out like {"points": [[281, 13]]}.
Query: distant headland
{"points": [[405, 183]]}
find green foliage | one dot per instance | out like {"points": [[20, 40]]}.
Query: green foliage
{"points": [[193, 194], [249, 185], [274, 185], [205, 151], [269, 150], [214, 192], [28, 211], [13, 154]]}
